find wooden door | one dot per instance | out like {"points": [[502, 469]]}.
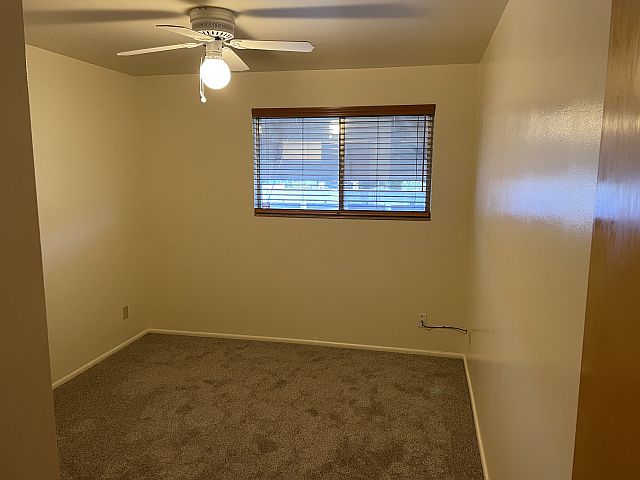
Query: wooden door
{"points": [[608, 431]]}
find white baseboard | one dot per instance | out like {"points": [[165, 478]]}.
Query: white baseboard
{"points": [[485, 471], [354, 346], [97, 360]]}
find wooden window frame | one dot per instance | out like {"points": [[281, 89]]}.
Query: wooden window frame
{"points": [[357, 111]]}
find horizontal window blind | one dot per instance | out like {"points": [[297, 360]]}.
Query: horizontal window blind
{"points": [[370, 162], [296, 163]]}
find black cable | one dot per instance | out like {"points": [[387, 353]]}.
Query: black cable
{"points": [[445, 327]]}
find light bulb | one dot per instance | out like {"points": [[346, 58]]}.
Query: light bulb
{"points": [[215, 73]]}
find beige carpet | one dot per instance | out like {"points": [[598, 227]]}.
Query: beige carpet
{"points": [[183, 408]]}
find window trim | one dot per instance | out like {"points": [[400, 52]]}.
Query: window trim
{"points": [[355, 111]]}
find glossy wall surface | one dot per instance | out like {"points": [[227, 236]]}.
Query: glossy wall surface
{"points": [[608, 432], [27, 431], [541, 100]]}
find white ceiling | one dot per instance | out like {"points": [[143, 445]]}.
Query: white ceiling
{"points": [[346, 33]]}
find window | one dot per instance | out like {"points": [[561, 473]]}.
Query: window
{"points": [[366, 162]]}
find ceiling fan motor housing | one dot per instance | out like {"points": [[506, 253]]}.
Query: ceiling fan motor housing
{"points": [[216, 22]]}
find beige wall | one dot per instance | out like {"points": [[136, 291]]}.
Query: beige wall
{"points": [[541, 97], [128, 185], [27, 444], [217, 268], [86, 125]]}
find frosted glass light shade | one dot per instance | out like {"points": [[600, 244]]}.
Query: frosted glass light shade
{"points": [[215, 73]]}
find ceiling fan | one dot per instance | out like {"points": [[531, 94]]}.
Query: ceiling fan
{"points": [[213, 28]]}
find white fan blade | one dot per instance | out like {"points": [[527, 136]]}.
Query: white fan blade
{"points": [[201, 37], [271, 45], [158, 49], [234, 62]]}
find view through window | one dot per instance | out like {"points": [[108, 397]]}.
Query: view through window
{"points": [[354, 162]]}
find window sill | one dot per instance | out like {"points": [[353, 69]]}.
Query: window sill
{"points": [[353, 214]]}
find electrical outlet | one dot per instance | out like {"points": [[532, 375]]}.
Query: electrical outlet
{"points": [[125, 312], [422, 319]]}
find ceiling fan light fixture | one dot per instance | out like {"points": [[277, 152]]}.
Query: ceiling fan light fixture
{"points": [[214, 72], [213, 29]]}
